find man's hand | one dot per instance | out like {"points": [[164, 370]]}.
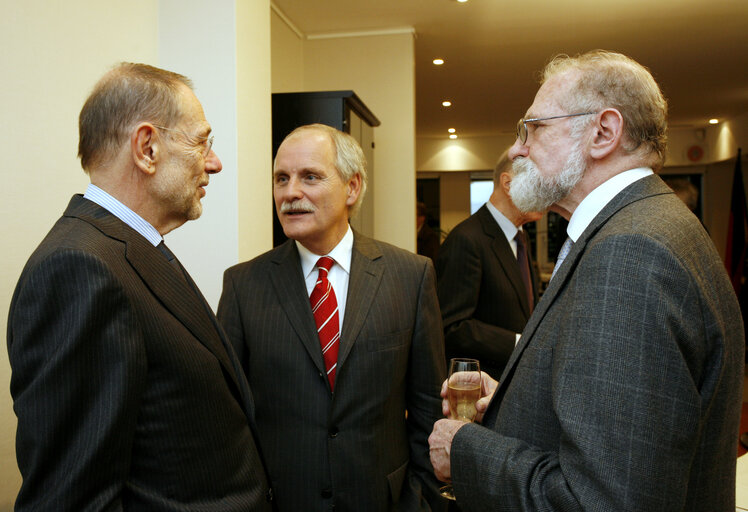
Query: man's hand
{"points": [[440, 445], [488, 387]]}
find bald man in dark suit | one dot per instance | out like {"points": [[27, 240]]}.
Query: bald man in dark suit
{"points": [[127, 393]]}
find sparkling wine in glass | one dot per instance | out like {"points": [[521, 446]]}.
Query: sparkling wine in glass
{"points": [[463, 391]]}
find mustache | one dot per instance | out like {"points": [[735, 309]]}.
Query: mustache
{"points": [[299, 205]]}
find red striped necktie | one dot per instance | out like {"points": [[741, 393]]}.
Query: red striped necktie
{"points": [[325, 311]]}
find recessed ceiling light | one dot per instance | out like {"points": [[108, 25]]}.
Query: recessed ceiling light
{"points": [[714, 121], [446, 103], [451, 130], [461, 1], [453, 136], [438, 62]]}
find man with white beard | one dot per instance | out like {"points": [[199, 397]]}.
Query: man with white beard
{"points": [[624, 392]]}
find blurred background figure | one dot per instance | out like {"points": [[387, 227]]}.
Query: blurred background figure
{"points": [[685, 190], [486, 280], [427, 243]]}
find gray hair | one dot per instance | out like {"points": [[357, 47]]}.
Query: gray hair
{"points": [[126, 95]]}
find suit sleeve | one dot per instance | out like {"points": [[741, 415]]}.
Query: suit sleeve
{"points": [[460, 272], [427, 371], [631, 371], [79, 368], [229, 316]]}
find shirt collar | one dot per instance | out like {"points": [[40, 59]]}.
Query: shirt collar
{"points": [[507, 226], [341, 254], [123, 213], [598, 198]]}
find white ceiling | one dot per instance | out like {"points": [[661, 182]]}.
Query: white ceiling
{"points": [[494, 49]]}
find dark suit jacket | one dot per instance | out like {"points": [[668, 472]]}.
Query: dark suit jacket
{"points": [[354, 448], [481, 294], [427, 242], [625, 390], [127, 396]]}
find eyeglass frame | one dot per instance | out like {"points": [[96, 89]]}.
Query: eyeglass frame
{"points": [[209, 139], [523, 123]]}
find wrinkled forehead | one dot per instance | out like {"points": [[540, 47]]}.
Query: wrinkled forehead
{"points": [[552, 96], [192, 112], [306, 148]]}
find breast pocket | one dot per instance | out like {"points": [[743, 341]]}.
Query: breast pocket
{"points": [[388, 341]]}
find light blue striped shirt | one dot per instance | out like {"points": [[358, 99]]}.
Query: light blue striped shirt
{"points": [[123, 213]]}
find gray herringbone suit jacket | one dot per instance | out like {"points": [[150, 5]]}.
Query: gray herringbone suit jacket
{"points": [[481, 293], [127, 396], [624, 393], [353, 449]]}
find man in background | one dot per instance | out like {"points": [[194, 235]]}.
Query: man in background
{"points": [[427, 240], [625, 390], [486, 281], [127, 393], [339, 335]]}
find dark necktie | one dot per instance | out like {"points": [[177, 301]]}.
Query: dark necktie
{"points": [[524, 266], [325, 311], [172, 259]]}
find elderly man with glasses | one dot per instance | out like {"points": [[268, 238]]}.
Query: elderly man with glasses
{"points": [[624, 392], [128, 394]]}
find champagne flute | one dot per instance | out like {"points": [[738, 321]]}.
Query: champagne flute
{"points": [[463, 391]]}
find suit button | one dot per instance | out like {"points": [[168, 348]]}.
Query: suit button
{"points": [[333, 432], [327, 493]]}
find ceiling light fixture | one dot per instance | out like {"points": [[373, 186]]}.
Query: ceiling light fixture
{"points": [[446, 103], [461, 1], [451, 130], [714, 121], [453, 136], [438, 62]]}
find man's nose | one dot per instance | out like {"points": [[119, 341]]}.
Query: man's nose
{"points": [[213, 163], [518, 149]]}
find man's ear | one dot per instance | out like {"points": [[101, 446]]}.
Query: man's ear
{"points": [[353, 189], [505, 180], [144, 147], [608, 133]]}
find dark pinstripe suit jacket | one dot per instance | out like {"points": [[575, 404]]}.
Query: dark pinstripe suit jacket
{"points": [[624, 392], [353, 448], [126, 395], [481, 293]]}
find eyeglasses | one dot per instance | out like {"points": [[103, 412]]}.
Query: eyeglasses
{"points": [[522, 124], [208, 140]]}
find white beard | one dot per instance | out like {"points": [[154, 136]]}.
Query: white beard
{"points": [[533, 192]]}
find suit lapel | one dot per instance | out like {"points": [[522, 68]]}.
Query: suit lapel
{"points": [[645, 187], [363, 284], [178, 296], [290, 289], [503, 251]]}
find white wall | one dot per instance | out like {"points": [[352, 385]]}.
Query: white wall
{"points": [[287, 50], [380, 69]]}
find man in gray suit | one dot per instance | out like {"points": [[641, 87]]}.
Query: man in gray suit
{"points": [[128, 395], [340, 337], [484, 294], [624, 392]]}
